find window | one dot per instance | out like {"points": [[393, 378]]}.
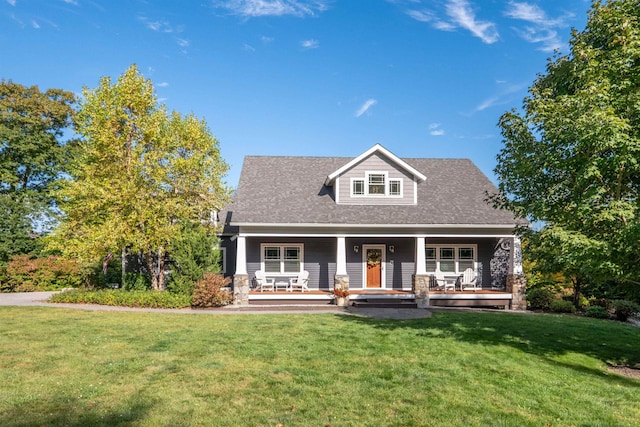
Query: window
{"points": [[450, 259], [377, 184], [395, 187], [357, 187], [223, 260], [281, 258]]}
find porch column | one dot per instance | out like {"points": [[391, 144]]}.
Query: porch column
{"points": [[341, 279], [516, 282], [241, 278], [420, 278]]}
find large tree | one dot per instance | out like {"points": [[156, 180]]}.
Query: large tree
{"points": [[139, 174], [571, 158], [32, 156]]}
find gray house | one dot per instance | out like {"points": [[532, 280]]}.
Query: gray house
{"points": [[381, 226]]}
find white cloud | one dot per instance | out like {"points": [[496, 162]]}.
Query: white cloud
{"points": [[248, 48], [162, 84], [310, 44], [160, 26], [541, 29], [11, 2], [461, 13], [503, 96], [35, 24], [266, 40], [434, 129], [257, 8], [73, 2], [183, 42], [365, 107]]}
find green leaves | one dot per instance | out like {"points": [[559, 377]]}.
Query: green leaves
{"points": [[140, 172], [571, 158]]}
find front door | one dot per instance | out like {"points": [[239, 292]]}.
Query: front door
{"points": [[373, 265]]}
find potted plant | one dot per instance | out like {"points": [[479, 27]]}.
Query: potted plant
{"points": [[341, 296]]}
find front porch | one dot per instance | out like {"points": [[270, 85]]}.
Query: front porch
{"points": [[480, 298]]}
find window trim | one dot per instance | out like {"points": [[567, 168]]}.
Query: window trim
{"points": [[368, 175], [400, 189], [456, 257], [282, 247], [223, 259], [364, 191]]}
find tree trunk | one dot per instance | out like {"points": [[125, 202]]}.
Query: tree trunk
{"points": [[161, 284], [577, 292], [124, 267], [152, 271]]}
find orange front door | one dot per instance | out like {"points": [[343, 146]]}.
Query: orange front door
{"points": [[374, 267]]}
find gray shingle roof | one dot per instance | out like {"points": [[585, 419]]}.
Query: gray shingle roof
{"points": [[290, 190]]}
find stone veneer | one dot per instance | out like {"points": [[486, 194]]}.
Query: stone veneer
{"points": [[517, 286], [241, 289], [421, 289]]}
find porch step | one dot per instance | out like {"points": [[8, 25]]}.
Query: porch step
{"points": [[385, 303]]}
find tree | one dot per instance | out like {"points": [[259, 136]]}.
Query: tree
{"points": [[32, 157], [571, 159], [138, 174]]}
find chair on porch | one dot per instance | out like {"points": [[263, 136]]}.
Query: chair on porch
{"points": [[263, 283], [469, 280], [443, 284], [299, 282]]}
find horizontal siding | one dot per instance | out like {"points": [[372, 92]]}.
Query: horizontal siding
{"points": [[377, 163], [320, 255]]}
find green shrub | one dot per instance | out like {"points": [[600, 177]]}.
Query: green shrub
{"points": [[597, 312], [623, 309], [562, 306], [120, 297], [211, 291], [137, 282], [540, 298], [26, 274]]}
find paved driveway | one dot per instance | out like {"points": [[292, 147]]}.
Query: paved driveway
{"points": [[25, 298]]}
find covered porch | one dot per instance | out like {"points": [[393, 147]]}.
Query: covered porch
{"points": [[376, 266]]}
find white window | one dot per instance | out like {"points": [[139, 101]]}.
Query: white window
{"points": [[377, 184], [283, 259], [357, 187], [395, 187], [451, 259]]}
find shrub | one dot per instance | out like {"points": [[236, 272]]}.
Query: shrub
{"points": [[623, 309], [26, 274], [211, 291], [562, 306], [120, 297], [597, 312], [137, 282], [540, 298]]}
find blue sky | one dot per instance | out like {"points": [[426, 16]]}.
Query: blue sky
{"points": [[424, 78]]}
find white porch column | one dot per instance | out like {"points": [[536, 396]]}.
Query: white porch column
{"points": [[341, 257], [241, 255], [420, 279], [421, 263]]}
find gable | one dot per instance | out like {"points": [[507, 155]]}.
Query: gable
{"points": [[375, 180]]}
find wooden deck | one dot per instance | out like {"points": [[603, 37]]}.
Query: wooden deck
{"points": [[480, 298]]}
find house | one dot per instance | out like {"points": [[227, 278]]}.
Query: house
{"points": [[376, 224]]}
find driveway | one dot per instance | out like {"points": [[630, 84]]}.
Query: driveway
{"points": [[25, 298]]}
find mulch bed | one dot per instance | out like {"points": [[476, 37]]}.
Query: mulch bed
{"points": [[625, 371]]}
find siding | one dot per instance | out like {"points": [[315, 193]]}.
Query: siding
{"points": [[376, 163], [319, 258]]}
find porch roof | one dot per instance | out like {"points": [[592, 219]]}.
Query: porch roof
{"points": [[291, 190]]}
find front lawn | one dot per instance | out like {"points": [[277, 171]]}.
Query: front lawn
{"points": [[74, 367]]}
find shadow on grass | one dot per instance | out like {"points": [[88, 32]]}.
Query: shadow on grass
{"points": [[547, 336], [59, 410]]}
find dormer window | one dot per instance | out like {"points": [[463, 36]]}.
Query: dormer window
{"points": [[376, 184]]}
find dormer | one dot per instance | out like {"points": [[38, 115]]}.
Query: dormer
{"points": [[376, 177]]}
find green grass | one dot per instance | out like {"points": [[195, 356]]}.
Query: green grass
{"points": [[77, 368]]}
